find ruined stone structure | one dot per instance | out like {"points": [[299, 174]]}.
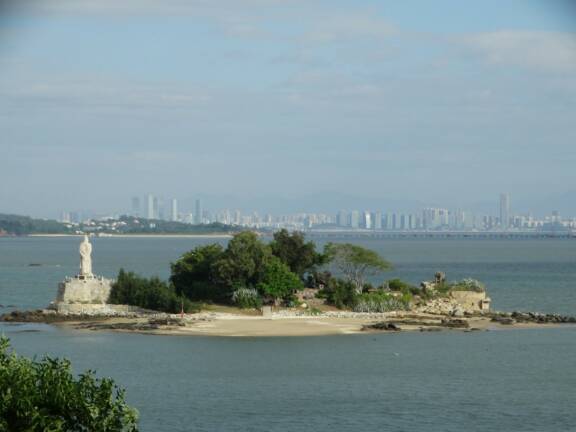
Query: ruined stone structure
{"points": [[458, 301], [472, 301], [85, 288]]}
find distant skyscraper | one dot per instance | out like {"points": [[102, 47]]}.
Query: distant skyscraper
{"points": [[355, 219], [366, 220], [341, 218], [160, 210], [135, 206], [174, 209], [434, 218], [151, 204], [403, 221], [377, 221], [198, 212], [504, 211], [388, 221]]}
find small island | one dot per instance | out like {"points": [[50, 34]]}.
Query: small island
{"points": [[285, 287]]}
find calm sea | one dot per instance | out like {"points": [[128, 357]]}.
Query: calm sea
{"points": [[513, 380]]}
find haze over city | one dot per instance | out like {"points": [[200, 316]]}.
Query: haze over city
{"points": [[288, 106]]}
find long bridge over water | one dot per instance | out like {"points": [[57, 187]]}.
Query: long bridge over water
{"points": [[480, 235]]}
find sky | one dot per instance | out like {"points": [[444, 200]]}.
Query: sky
{"points": [[286, 104]]}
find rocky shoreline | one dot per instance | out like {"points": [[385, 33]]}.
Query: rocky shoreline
{"points": [[287, 322]]}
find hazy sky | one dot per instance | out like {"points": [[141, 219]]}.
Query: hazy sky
{"points": [[444, 101]]}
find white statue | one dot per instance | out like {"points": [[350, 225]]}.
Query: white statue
{"points": [[85, 258]]}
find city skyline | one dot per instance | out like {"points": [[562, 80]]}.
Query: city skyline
{"points": [[504, 218]]}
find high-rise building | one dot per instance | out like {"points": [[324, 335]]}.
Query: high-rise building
{"points": [[366, 220], [135, 207], [198, 214], [377, 221], [341, 218], [174, 209], [388, 221], [434, 218], [504, 211], [355, 219], [151, 206]]}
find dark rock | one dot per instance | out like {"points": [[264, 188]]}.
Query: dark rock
{"points": [[455, 323], [166, 321], [383, 325], [503, 320]]}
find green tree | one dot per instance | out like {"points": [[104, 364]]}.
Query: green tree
{"points": [[292, 249], [242, 263], [355, 262], [194, 274], [278, 281], [43, 396]]}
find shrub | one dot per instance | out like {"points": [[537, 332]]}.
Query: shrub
{"points": [[468, 285], [339, 293], [381, 302], [44, 395], [399, 285], [152, 293], [247, 298]]}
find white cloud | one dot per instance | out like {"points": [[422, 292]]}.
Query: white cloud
{"points": [[541, 50], [344, 27], [91, 93], [152, 7]]}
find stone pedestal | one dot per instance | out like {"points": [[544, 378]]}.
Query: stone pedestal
{"points": [[84, 290]]}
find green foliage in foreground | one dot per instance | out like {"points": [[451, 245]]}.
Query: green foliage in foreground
{"points": [[152, 293], [44, 396]]}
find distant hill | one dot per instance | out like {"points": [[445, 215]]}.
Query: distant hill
{"points": [[25, 225], [132, 225]]}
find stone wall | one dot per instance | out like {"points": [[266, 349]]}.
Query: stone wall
{"points": [[94, 309], [472, 301], [84, 291]]}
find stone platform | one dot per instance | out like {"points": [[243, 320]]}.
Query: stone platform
{"points": [[84, 290]]}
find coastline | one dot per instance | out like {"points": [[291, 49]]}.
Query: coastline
{"points": [[219, 324], [222, 235]]}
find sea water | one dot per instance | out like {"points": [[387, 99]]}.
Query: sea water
{"points": [[508, 380]]}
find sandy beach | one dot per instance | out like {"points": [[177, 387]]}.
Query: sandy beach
{"points": [[233, 325]]}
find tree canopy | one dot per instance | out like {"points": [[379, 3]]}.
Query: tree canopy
{"points": [[278, 282], [242, 263], [194, 274], [292, 249], [355, 262], [39, 396]]}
